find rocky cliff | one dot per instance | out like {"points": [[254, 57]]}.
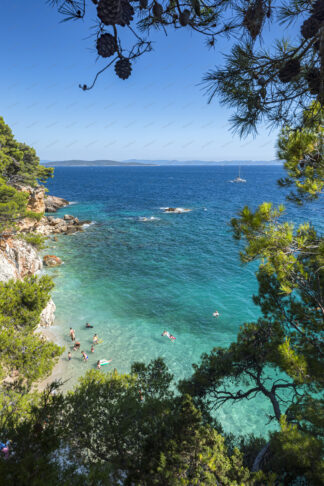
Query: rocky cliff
{"points": [[19, 259]]}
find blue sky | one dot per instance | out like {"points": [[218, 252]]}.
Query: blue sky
{"points": [[161, 112]]}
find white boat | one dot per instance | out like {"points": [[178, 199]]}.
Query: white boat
{"points": [[238, 179]]}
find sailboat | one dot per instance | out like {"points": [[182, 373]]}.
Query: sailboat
{"points": [[238, 179]]}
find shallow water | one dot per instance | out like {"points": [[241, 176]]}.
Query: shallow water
{"points": [[133, 278]]}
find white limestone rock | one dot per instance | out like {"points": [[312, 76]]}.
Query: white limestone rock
{"points": [[47, 316]]}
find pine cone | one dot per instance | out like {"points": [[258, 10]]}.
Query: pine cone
{"points": [[184, 17], [109, 11], [157, 10], [313, 78], [254, 18], [127, 14], [123, 68], [289, 70], [261, 81], [318, 10], [143, 3], [106, 45], [310, 27]]}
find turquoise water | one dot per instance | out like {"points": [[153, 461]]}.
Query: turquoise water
{"points": [[132, 279]]}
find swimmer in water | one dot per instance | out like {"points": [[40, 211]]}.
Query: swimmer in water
{"points": [[95, 339], [76, 345], [88, 326], [216, 314], [85, 356], [166, 333]]}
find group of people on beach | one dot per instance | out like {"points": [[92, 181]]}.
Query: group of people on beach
{"points": [[77, 344], [95, 340]]}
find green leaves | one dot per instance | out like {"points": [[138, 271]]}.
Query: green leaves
{"points": [[22, 351], [303, 153], [19, 163]]}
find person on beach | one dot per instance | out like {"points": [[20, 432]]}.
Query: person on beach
{"points": [[92, 348], [85, 356], [4, 448], [69, 356], [72, 334], [95, 339], [216, 314], [76, 346], [88, 326]]}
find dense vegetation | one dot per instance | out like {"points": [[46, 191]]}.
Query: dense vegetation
{"points": [[25, 356], [135, 429], [19, 166]]}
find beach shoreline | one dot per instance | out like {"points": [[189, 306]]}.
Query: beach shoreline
{"points": [[60, 369]]}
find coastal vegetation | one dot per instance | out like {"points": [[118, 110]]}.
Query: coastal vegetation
{"points": [[142, 428], [138, 428]]}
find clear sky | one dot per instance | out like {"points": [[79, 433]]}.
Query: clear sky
{"points": [[160, 112]]}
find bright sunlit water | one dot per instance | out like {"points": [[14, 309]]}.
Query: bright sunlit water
{"points": [[132, 279]]}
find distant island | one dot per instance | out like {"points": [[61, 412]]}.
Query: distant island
{"points": [[91, 163], [148, 163], [204, 162]]}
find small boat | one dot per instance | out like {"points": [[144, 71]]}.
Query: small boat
{"points": [[238, 179]]}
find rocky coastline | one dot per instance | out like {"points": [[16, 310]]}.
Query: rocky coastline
{"points": [[20, 259]]}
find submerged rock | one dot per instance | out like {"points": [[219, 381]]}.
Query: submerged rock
{"points": [[52, 260]]}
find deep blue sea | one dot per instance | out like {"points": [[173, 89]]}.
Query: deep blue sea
{"points": [[132, 278]]}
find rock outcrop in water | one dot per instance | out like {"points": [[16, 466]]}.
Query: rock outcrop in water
{"points": [[53, 203], [52, 261], [177, 210], [49, 225]]}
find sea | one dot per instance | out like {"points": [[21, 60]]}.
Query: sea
{"points": [[136, 271]]}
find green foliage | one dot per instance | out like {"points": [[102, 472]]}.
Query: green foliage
{"points": [[153, 379], [152, 437], [34, 239], [19, 163], [13, 206], [19, 166], [303, 153], [21, 304], [297, 454], [38, 457]]}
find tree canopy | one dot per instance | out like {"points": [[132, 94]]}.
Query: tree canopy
{"points": [[19, 166], [262, 79]]}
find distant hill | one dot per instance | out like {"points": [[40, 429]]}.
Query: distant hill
{"points": [[204, 162], [91, 163], [136, 162]]}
